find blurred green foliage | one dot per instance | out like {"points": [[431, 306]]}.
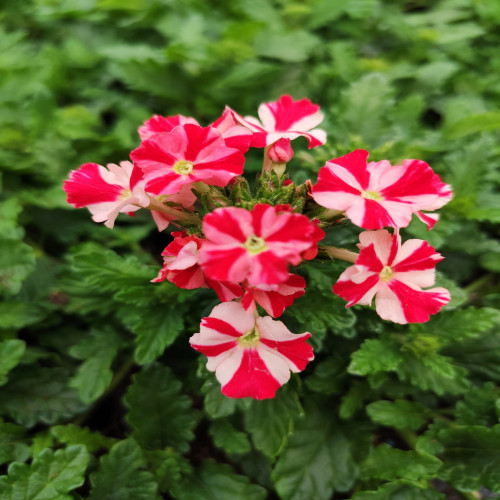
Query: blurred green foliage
{"points": [[101, 396]]}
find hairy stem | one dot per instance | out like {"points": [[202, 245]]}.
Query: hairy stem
{"points": [[340, 253], [172, 212]]}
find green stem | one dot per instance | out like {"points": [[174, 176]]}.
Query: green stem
{"points": [[340, 253], [174, 213], [476, 285]]}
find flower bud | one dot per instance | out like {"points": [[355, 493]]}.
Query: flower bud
{"points": [[281, 151]]}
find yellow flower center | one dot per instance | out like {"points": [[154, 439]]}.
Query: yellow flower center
{"points": [[183, 167], [386, 273], [371, 195], [255, 244], [250, 339]]}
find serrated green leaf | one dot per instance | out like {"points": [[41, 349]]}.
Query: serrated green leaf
{"points": [[295, 46], [121, 475], [399, 490], [11, 352], [317, 460], [155, 329], [390, 464], [472, 124], [227, 438], [13, 443], [374, 356], [153, 399], [94, 375], [17, 261], [270, 422], [478, 406], [215, 403], [39, 395], [73, 434], [51, 476], [213, 481], [400, 414], [472, 457]]}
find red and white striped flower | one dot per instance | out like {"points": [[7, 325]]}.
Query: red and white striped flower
{"points": [[394, 274], [274, 298], [106, 192], [158, 123], [251, 357], [187, 154], [181, 266], [377, 194], [234, 134], [256, 245], [287, 119]]}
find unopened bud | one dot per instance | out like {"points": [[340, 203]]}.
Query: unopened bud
{"points": [[281, 151]]}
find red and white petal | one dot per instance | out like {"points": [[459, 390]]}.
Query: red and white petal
{"points": [[225, 290], [385, 244], [355, 292], [230, 225], [234, 135], [159, 123], [284, 345], [401, 303], [428, 219], [88, 186], [416, 255]]}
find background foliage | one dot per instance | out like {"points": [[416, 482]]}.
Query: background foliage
{"points": [[101, 396]]}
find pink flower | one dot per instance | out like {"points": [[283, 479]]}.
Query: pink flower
{"points": [[377, 194], [255, 245], [234, 135], [251, 357], [106, 192], [181, 267], [188, 153], [274, 298], [158, 123], [287, 119], [394, 274]]}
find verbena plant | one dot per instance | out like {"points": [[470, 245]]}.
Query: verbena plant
{"points": [[102, 395]]}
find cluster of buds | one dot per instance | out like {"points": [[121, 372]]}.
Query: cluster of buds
{"points": [[243, 244]]}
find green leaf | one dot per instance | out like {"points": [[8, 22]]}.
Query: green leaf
{"points": [[121, 475], [155, 329], [13, 443], [483, 122], [15, 314], [51, 476], [472, 457], [400, 414], [154, 398], [213, 481], [215, 403], [94, 375], [11, 352], [296, 46], [227, 438], [73, 434], [389, 464], [478, 406], [17, 261], [317, 461], [374, 356], [39, 394], [399, 490], [270, 422]]}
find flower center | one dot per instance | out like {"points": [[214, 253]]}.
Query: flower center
{"points": [[250, 339], [184, 167], [371, 195], [126, 193], [255, 244], [386, 273]]}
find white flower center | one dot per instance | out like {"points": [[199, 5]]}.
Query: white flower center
{"points": [[250, 339], [183, 167], [386, 273], [371, 195], [255, 244]]}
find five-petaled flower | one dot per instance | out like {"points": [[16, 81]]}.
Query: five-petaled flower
{"points": [[106, 192], [394, 274], [187, 154], [256, 245], [377, 194], [285, 119], [251, 357]]}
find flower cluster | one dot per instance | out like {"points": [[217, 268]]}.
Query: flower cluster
{"points": [[246, 247]]}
